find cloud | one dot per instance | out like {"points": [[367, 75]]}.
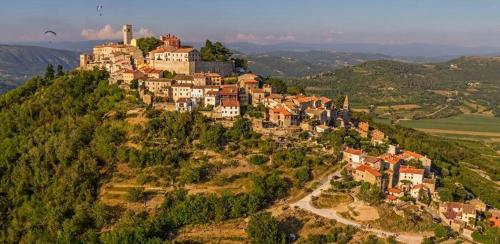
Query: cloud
{"points": [[249, 37], [108, 33], [333, 35], [246, 37], [282, 38]]}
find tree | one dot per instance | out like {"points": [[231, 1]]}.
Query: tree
{"points": [[278, 85], [264, 229], [49, 72], [134, 84], [240, 63], [148, 44], [169, 75], [214, 52], [60, 71], [258, 159], [370, 193]]}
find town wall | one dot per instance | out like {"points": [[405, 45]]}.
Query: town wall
{"points": [[180, 67], [222, 68]]}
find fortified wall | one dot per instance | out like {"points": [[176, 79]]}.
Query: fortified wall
{"points": [[182, 67]]}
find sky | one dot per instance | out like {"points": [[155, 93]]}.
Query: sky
{"points": [[455, 22]]}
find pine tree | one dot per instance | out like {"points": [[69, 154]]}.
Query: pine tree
{"points": [[60, 71], [49, 72]]}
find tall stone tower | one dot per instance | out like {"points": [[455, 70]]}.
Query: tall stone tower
{"points": [[127, 34], [346, 103]]}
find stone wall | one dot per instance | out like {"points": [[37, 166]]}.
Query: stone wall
{"points": [[189, 68], [222, 68], [178, 66]]}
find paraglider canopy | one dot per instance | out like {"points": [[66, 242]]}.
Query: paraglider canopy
{"points": [[50, 32], [99, 9]]}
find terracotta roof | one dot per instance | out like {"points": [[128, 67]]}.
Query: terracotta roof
{"points": [[325, 99], [392, 159], [281, 110], [303, 99], [199, 75], [250, 81], [229, 90], [183, 50], [151, 71], [163, 49], [369, 169], [469, 209], [183, 100], [213, 75], [257, 90], [450, 214], [184, 77], [418, 186], [411, 170], [230, 103], [353, 151], [392, 197], [394, 190], [415, 155], [371, 160]]}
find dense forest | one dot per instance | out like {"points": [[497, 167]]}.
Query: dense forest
{"points": [[60, 139]]}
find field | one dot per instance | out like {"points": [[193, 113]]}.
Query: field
{"points": [[460, 126]]}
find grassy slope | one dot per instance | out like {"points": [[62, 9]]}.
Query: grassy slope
{"points": [[460, 123]]}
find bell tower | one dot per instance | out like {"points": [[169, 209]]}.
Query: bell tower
{"points": [[127, 34]]}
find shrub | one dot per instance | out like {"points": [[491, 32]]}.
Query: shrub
{"points": [[134, 194], [258, 159]]}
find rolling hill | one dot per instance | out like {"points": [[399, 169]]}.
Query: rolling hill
{"points": [[297, 64], [399, 90], [19, 63]]}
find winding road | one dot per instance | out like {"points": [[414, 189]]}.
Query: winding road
{"points": [[305, 204]]}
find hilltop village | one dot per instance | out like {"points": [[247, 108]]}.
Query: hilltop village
{"points": [[173, 77]]}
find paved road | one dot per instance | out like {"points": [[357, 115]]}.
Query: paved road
{"points": [[305, 204]]}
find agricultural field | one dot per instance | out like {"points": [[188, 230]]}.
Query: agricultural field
{"points": [[460, 127]]}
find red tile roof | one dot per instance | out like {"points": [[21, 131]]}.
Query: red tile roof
{"points": [[415, 155], [392, 159], [230, 103], [369, 169], [392, 197], [394, 190], [411, 170], [281, 110], [353, 151]]}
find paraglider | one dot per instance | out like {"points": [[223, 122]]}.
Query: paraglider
{"points": [[49, 32], [99, 9]]}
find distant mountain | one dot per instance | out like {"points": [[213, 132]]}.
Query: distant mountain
{"points": [[19, 63], [414, 51], [77, 46], [298, 64]]}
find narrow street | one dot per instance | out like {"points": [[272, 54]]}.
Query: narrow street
{"points": [[305, 204]]}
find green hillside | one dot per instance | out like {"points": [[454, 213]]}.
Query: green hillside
{"points": [[298, 64], [396, 90]]}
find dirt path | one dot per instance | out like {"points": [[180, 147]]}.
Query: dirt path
{"points": [[460, 132], [305, 203], [437, 111]]}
